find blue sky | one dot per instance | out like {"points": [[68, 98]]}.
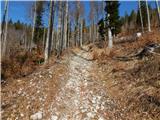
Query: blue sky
{"points": [[18, 10]]}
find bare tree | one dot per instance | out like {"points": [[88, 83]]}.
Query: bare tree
{"points": [[33, 27], [81, 40], [44, 37], [92, 19], [158, 11], [65, 24], [49, 33], [140, 12], [59, 33], [77, 23], [4, 28], [148, 17], [110, 38]]}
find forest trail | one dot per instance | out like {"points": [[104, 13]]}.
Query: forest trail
{"points": [[70, 89], [83, 97]]}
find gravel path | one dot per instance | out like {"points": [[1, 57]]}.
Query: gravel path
{"points": [[82, 97]]}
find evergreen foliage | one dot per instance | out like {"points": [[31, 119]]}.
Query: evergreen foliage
{"points": [[39, 22], [112, 17], [112, 9], [102, 29]]}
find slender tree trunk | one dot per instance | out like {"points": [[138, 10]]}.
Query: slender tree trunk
{"points": [[4, 30], [62, 30], [65, 24], [110, 41], [69, 33], [77, 25], [105, 39], [140, 12], [110, 38], [81, 41], [158, 11], [53, 31], [4, 20], [49, 33], [59, 28], [93, 33], [33, 28], [90, 33], [148, 17], [44, 38]]}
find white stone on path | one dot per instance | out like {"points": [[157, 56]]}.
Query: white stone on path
{"points": [[53, 117], [36, 116]]}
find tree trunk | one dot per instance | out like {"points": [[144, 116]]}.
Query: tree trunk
{"points": [[65, 24], [33, 28], [110, 38], [4, 20], [140, 12], [81, 40], [4, 29], [62, 30], [44, 38], [53, 31], [69, 33], [49, 33], [90, 33], [148, 17], [158, 11], [59, 28]]}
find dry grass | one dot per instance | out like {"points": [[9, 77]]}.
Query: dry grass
{"points": [[29, 101], [135, 85], [21, 63]]}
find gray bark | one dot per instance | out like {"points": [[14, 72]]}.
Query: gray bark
{"points": [[59, 28], [77, 25], [53, 31], [33, 28], [110, 38], [158, 11], [69, 32], [4, 29], [49, 33], [44, 37], [140, 12], [65, 24], [62, 30], [148, 17], [81, 40], [90, 33]]}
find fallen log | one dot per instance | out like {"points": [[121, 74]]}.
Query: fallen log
{"points": [[149, 49], [130, 38]]}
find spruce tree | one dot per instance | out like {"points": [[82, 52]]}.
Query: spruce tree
{"points": [[102, 29], [112, 9], [39, 23]]}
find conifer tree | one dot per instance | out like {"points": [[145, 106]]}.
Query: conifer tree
{"points": [[38, 22], [112, 9]]}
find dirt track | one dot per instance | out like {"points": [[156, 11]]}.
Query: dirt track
{"points": [[83, 97]]}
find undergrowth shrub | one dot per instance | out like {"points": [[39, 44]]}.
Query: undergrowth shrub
{"points": [[20, 64]]}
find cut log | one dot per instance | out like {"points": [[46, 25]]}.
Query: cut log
{"points": [[150, 49], [130, 38]]}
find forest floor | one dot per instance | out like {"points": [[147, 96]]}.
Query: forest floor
{"points": [[78, 92], [88, 84]]}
